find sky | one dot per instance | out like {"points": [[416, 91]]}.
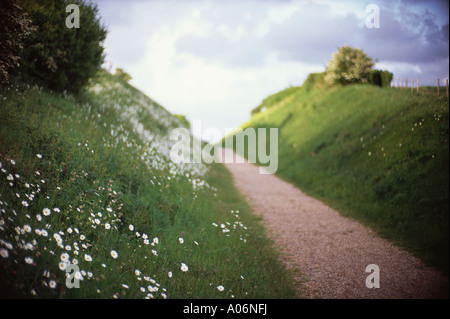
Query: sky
{"points": [[215, 60]]}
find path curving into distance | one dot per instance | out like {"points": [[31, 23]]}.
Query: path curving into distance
{"points": [[331, 252]]}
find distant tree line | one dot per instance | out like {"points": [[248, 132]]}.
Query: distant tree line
{"points": [[36, 45]]}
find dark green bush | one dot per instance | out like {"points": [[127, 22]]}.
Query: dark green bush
{"points": [[14, 28], [58, 57], [380, 78]]}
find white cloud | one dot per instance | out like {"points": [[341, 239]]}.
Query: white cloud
{"points": [[276, 14], [217, 95]]}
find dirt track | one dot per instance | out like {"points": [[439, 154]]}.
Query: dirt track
{"points": [[330, 253]]}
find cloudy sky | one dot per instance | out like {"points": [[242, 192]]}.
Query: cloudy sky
{"points": [[215, 60]]}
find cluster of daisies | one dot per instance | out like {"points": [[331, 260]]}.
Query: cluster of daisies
{"points": [[228, 227], [48, 242], [44, 231]]}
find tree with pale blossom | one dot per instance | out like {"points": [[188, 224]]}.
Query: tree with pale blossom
{"points": [[349, 65]]}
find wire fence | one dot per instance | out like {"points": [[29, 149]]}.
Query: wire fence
{"points": [[402, 84]]}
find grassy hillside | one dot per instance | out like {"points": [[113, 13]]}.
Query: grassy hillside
{"points": [[377, 155], [88, 181]]}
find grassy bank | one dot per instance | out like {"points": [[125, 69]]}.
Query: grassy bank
{"points": [[87, 181], [377, 155]]}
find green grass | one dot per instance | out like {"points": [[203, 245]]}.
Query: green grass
{"points": [[100, 163], [376, 155], [432, 90]]}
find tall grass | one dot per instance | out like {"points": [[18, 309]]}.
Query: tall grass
{"points": [[87, 181], [377, 155]]}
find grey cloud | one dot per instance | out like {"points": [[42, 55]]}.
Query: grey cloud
{"points": [[309, 36], [313, 34], [444, 33], [407, 40], [406, 36]]}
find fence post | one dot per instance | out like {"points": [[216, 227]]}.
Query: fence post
{"points": [[438, 87], [446, 87], [406, 83], [417, 85], [412, 84]]}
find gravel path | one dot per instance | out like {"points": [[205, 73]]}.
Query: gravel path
{"points": [[329, 253]]}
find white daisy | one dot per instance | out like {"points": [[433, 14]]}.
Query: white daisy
{"points": [[64, 257], [114, 254], [46, 212], [52, 284], [4, 253], [78, 276], [62, 265]]}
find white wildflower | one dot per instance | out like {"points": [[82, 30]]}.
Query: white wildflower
{"points": [[114, 254]]}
